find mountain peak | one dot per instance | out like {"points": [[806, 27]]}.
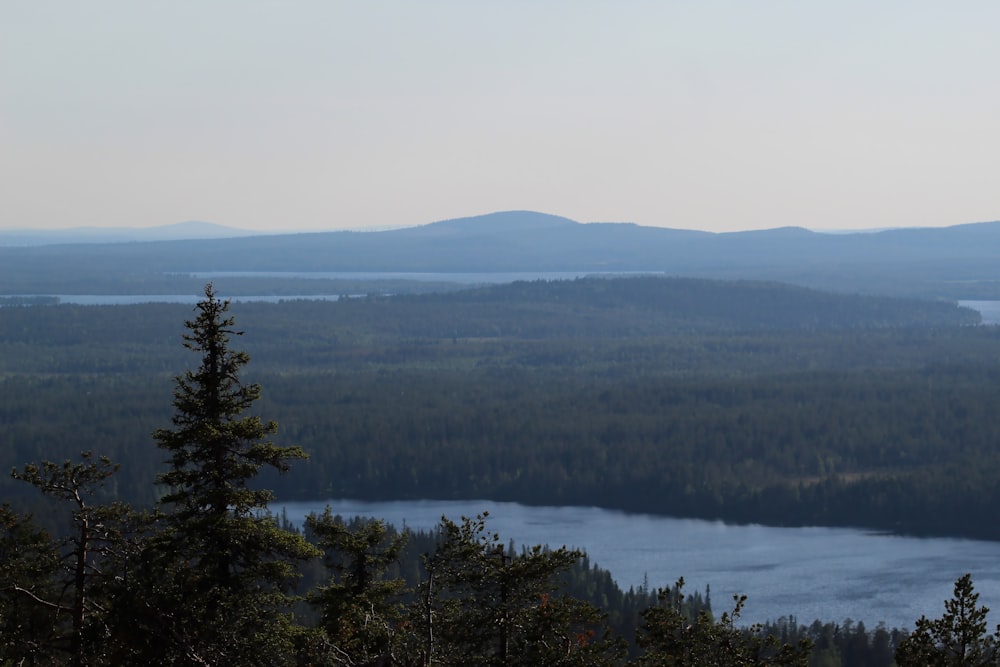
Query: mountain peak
{"points": [[503, 221]]}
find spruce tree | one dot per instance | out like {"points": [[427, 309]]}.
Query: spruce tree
{"points": [[360, 606], [225, 566]]}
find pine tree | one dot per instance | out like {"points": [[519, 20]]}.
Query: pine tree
{"points": [[222, 568], [61, 593], [957, 638]]}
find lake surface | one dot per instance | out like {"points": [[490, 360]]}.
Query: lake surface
{"points": [[811, 573], [470, 279], [989, 310]]}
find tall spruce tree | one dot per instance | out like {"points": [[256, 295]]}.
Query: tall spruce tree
{"points": [[223, 567]]}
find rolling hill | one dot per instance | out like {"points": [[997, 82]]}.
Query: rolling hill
{"points": [[961, 261]]}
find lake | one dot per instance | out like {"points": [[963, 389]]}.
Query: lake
{"points": [[470, 279], [811, 573], [988, 310]]}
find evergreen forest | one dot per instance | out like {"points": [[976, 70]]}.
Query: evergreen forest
{"points": [[136, 527]]}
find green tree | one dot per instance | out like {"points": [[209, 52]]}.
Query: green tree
{"points": [[484, 604], [360, 606], [221, 569], [672, 636], [957, 638], [29, 562], [71, 581]]}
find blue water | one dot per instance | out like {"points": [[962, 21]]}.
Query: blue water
{"points": [[829, 574], [988, 310]]}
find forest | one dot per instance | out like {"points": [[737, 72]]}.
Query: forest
{"points": [[203, 574], [748, 402]]}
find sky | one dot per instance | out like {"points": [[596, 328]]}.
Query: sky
{"points": [[324, 114]]}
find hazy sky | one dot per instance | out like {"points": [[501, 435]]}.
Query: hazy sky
{"points": [[323, 114]]}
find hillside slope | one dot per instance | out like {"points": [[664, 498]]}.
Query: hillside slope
{"points": [[955, 262]]}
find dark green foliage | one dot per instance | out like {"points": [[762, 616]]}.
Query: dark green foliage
{"points": [[71, 582], [468, 599], [484, 604], [578, 392], [29, 564], [208, 579], [674, 636], [214, 448], [221, 568], [651, 305], [836, 644], [360, 607], [958, 638]]}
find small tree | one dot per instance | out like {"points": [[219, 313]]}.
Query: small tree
{"points": [[69, 581], [957, 638], [670, 637], [484, 604], [360, 606], [227, 565]]}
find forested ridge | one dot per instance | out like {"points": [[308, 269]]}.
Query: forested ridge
{"points": [[952, 262], [204, 574], [208, 576], [741, 401]]}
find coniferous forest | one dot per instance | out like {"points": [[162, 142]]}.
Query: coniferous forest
{"points": [[744, 401]]}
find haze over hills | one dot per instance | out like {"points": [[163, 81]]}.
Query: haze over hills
{"points": [[961, 262], [192, 229]]}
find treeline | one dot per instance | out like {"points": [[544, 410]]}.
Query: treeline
{"points": [[901, 451], [647, 305], [586, 308], [833, 644], [907, 451], [207, 575], [580, 392]]}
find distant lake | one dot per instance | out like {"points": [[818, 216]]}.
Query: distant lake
{"points": [[457, 278], [989, 310], [812, 573]]}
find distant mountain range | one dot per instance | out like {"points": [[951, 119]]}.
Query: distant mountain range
{"points": [[961, 261]]}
